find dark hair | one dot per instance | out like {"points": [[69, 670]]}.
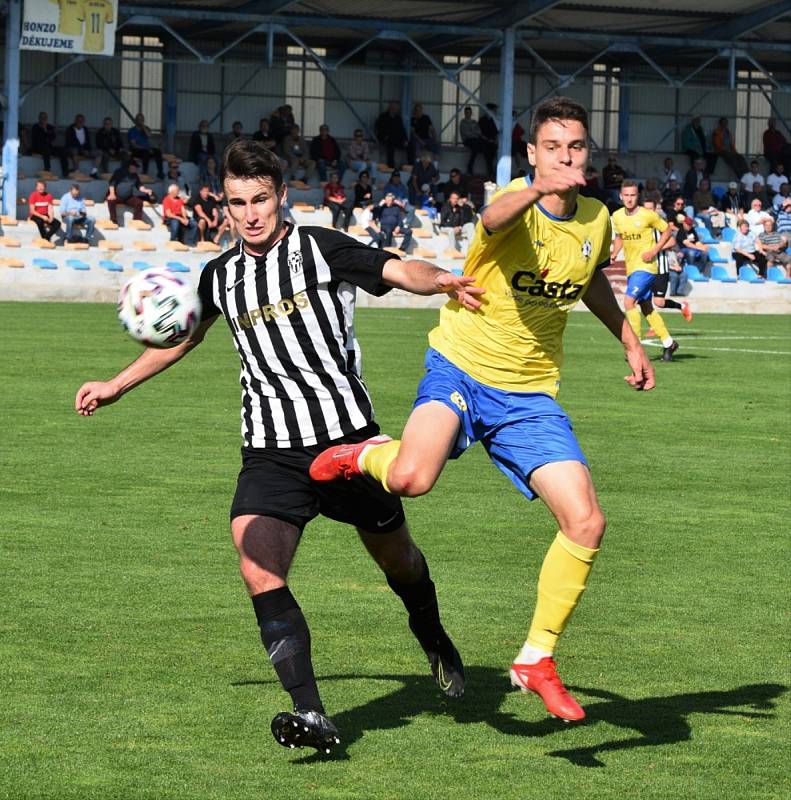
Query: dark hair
{"points": [[557, 108], [247, 158], [628, 184]]}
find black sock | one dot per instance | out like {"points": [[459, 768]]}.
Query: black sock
{"points": [[671, 304], [420, 601], [286, 638]]}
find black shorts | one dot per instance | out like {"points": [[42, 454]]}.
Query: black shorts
{"points": [[274, 482], [660, 285]]}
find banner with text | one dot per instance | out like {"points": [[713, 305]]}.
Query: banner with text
{"points": [[70, 26]]}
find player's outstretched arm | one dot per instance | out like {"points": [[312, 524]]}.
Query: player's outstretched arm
{"points": [[151, 361], [421, 277], [600, 299]]}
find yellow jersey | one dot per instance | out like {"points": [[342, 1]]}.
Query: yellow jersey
{"points": [[534, 272], [97, 13], [70, 16], [637, 234]]}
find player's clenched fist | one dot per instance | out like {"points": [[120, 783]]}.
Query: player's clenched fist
{"points": [[92, 395], [559, 179]]}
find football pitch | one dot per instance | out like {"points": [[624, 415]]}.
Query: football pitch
{"points": [[131, 663]]}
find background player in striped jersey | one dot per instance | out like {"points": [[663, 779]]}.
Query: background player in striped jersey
{"points": [[662, 280], [634, 228], [287, 295]]}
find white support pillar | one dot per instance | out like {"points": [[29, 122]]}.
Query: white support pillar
{"points": [[506, 106], [11, 116]]}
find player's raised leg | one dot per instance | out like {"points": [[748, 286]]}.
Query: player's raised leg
{"points": [[658, 325], [266, 547], [408, 576], [567, 490]]}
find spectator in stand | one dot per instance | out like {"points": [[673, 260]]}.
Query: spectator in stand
{"points": [[783, 221], [675, 210], [398, 190], [695, 144], [73, 211], [734, 202], [592, 187], [264, 134], [365, 219], [692, 179], [749, 179], [670, 192], [358, 156], [212, 180], [758, 193], [779, 199], [174, 214], [295, 152], [40, 210], [174, 176], [390, 217], [724, 147], [677, 281], [694, 251], [278, 129], [237, 132], [140, 146], [776, 179], [456, 183], [426, 201], [457, 222], [424, 171], [78, 144], [109, 145], [211, 222], [363, 191], [42, 138], [651, 191], [745, 251], [422, 135], [324, 150], [756, 216], [470, 135], [335, 200], [776, 148], [125, 189], [201, 146], [772, 245], [613, 175], [489, 134], [703, 204], [668, 174], [390, 131]]}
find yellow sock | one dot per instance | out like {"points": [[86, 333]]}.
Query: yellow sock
{"points": [[658, 324], [377, 460], [561, 583], [633, 316]]}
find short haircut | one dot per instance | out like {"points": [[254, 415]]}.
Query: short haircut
{"points": [[75, 186], [203, 186], [557, 108], [628, 183], [247, 158]]}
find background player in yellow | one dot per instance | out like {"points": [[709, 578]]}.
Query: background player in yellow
{"points": [[96, 14], [634, 232], [70, 16], [492, 375]]}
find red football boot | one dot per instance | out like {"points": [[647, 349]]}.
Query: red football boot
{"points": [[542, 678], [343, 460], [686, 312]]}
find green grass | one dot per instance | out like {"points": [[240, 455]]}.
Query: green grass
{"points": [[131, 665]]}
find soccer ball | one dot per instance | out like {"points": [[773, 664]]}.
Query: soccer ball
{"points": [[159, 308]]}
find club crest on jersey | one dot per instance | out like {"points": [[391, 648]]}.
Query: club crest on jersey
{"points": [[295, 261], [587, 249], [458, 401]]}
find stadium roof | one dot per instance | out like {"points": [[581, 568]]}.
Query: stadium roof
{"points": [[567, 29]]}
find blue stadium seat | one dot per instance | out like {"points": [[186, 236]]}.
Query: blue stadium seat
{"points": [[704, 235], [747, 275], [719, 273], [719, 192], [728, 234], [694, 274], [715, 256], [44, 263], [75, 263], [177, 266], [110, 266], [777, 275], [141, 265]]}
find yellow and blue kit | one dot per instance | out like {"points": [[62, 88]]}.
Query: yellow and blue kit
{"points": [[637, 234]]}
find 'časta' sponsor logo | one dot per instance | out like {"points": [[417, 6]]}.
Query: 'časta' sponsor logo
{"points": [[526, 281], [269, 312]]}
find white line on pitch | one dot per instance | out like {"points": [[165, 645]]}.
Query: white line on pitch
{"points": [[654, 343]]}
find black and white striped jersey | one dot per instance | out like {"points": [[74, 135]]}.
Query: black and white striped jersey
{"points": [[662, 266], [291, 317]]}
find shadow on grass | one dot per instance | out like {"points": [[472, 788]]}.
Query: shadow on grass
{"points": [[656, 720]]}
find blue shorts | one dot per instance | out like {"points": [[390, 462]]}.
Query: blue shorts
{"points": [[640, 285], [521, 431]]}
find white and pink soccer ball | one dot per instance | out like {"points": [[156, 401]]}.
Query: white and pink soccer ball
{"points": [[159, 308]]}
